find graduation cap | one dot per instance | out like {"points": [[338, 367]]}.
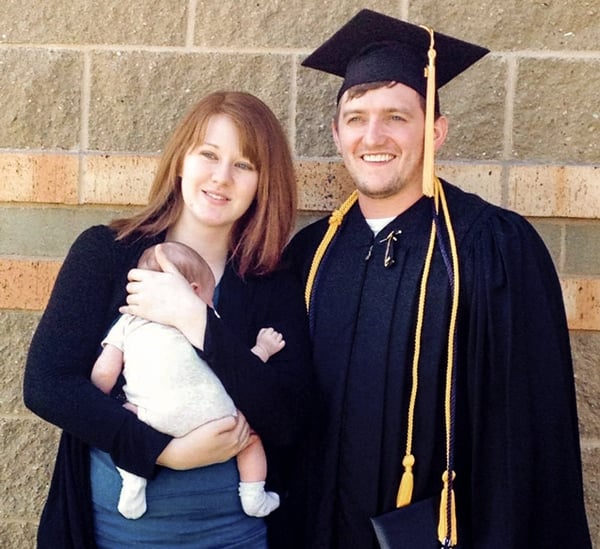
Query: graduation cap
{"points": [[373, 47]]}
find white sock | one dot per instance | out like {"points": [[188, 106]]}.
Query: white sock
{"points": [[132, 501], [256, 502]]}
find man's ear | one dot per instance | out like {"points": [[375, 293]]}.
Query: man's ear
{"points": [[336, 137], [440, 131]]}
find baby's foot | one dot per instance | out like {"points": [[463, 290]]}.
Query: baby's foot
{"points": [[257, 502], [132, 501]]}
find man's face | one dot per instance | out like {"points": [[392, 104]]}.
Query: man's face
{"points": [[380, 137]]}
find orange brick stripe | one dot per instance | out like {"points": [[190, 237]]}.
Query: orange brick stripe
{"points": [[582, 301], [26, 284], [122, 179], [48, 178]]}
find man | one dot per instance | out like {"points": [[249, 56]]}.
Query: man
{"points": [[440, 342]]}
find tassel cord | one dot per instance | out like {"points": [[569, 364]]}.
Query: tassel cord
{"points": [[404, 497], [452, 268]]}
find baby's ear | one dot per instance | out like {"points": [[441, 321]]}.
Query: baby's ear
{"points": [[196, 287], [198, 291]]}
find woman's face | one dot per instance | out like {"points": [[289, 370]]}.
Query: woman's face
{"points": [[218, 182]]}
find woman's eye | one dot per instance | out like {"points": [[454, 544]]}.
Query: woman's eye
{"points": [[245, 166], [208, 154]]}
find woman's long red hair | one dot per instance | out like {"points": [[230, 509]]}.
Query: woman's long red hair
{"points": [[259, 236]]}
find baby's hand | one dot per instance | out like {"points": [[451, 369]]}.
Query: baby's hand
{"points": [[270, 340]]}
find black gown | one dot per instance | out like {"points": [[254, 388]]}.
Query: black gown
{"points": [[517, 456]]}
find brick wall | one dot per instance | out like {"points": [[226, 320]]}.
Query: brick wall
{"points": [[90, 90]]}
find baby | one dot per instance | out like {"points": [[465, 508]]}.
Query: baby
{"points": [[172, 389]]}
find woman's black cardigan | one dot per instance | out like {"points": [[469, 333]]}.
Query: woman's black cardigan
{"points": [[88, 291]]}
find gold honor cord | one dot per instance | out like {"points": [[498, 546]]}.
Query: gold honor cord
{"points": [[446, 531], [449, 531], [405, 490], [335, 220]]}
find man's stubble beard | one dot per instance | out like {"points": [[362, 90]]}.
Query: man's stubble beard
{"points": [[393, 186]]}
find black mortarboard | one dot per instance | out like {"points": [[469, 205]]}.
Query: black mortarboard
{"points": [[373, 47]]}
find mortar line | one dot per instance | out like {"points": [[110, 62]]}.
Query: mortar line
{"points": [[404, 9], [562, 254], [510, 86], [191, 23], [293, 105], [84, 131]]}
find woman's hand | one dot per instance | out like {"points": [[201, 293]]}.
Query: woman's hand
{"points": [[213, 442], [166, 297]]}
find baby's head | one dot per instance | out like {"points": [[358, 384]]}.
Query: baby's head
{"points": [[189, 263]]}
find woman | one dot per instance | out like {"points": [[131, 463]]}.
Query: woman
{"points": [[225, 187]]}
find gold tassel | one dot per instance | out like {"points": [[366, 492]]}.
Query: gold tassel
{"points": [[428, 150], [405, 489], [445, 532]]}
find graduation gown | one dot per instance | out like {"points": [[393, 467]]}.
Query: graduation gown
{"points": [[517, 456]]}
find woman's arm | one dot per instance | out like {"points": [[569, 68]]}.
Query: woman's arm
{"points": [[213, 442], [57, 385]]}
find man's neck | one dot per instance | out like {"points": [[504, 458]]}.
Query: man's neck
{"points": [[376, 208]]}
